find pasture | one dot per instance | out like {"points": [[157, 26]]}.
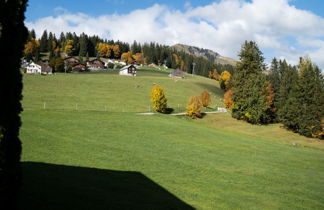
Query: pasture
{"points": [[92, 158]]}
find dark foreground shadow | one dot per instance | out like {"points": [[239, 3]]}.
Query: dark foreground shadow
{"points": [[49, 186]]}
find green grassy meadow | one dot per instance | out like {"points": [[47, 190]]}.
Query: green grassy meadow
{"points": [[112, 92], [95, 159]]}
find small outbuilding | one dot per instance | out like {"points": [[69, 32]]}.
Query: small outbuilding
{"points": [[129, 70], [177, 73]]}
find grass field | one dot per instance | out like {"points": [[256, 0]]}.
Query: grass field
{"points": [[81, 159], [111, 92]]}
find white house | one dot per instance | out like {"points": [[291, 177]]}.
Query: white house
{"points": [[33, 68], [41, 68], [129, 70]]}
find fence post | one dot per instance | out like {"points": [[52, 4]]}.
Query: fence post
{"points": [[44, 106]]}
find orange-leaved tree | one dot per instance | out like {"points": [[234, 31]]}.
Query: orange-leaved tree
{"points": [[158, 99], [205, 98], [228, 101], [194, 107]]}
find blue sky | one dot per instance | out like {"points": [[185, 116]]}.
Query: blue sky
{"points": [[42, 8], [282, 28]]}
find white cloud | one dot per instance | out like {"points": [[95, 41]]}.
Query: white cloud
{"points": [[280, 29]]}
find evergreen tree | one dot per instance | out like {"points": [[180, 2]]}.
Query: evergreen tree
{"points": [[249, 86], [12, 31], [44, 42], [31, 35], [274, 78], [311, 98], [50, 42], [288, 105], [83, 45]]}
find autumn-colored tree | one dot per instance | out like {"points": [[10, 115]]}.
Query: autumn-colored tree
{"points": [[194, 107], [104, 50], [269, 98], [205, 98], [138, 58], [228, 101], [127, 57], [31, 47], [158, 99], [214, 75], [225, 78], [57, 64], [68, 49], [116, 51]]}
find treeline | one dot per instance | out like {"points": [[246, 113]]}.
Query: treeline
{"points": [[291, 95], [70, 44]]}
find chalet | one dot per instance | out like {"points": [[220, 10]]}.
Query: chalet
{"points": [[79, 67], [96, 64], [152, 65], [39, 68], [129, 70], [177, 73], [33, 68], [45, 68], [71, 61]]}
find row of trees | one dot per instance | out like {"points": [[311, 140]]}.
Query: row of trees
{"points": [[193, 108], [292, 95], [70, 44]]}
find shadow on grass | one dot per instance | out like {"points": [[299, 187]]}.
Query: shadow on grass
{"points": [[49, 186]]}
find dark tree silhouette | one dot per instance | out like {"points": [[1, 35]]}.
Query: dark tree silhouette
{"points": [[13, 35]]}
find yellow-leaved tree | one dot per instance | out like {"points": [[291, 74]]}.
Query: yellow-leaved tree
{"points": [[205, 98], [158, 99], [127, 57], [68, 49], [225, 79], [31, 47], [194, 107]]}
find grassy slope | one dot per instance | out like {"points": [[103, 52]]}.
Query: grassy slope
{"points": [[118, 93], [216, 162]]}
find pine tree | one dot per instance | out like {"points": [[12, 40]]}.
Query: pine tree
{"points": [[44, 42], [249, 86], [311, 98], [288, 104], [83, 45], [274, 78], [12, 31], [50, 42]]}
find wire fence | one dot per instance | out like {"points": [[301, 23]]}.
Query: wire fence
{"points": [[45, 105]]}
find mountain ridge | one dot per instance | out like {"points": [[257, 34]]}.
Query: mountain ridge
{"points": [[206, 53]]}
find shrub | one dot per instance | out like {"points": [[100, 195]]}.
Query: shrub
{"points": [[194, 107], [225, 79], [111, 65], [205, 98], [228, 101], [158, 99]]}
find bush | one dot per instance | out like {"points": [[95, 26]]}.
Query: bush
{"points": [[111, 65], [194, 107], [205, 98], [158, 99], [228, 101]]}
